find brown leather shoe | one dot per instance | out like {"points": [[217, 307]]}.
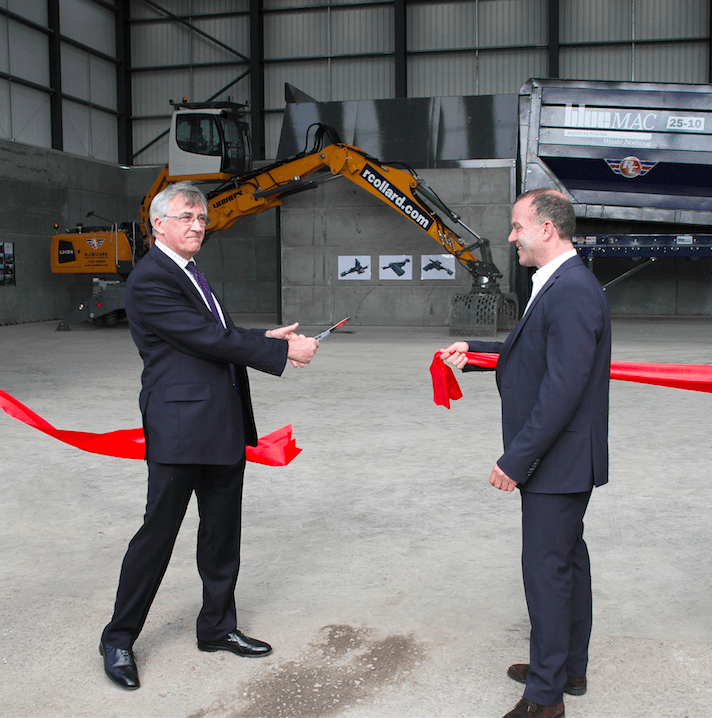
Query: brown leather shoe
{"points": [[575, 685], [527, 709]]}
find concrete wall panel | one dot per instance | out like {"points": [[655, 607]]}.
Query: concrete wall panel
{"points": [[339, 218]]}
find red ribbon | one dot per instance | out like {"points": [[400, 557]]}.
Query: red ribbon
{"points": [[275, 449], [695, 377]]}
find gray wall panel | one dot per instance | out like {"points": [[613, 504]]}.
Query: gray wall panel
{"points": [[36, 10], [102, 82], [596, 20], [311, 77], [144, 131], [302, 34], [512, 22], [4, 42], [30, 116], [369, 77], [231, 31], [104, 142], [666, 19], [684, 62], [88, 23], [362, 30], [5, 123], [443, 75], [160, 44], [75, 72], [588, 63], [75, 125], [441, 26], [29, 53], [502, 70]]}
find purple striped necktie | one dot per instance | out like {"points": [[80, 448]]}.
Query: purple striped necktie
{"points": [[205, 288]]}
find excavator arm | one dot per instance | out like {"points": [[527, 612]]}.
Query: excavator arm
{"points": [[402, 190]]}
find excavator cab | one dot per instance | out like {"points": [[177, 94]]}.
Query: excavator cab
{"points": [[209, 138]]}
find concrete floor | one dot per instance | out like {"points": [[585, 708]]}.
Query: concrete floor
{"points": [[380, 564]]}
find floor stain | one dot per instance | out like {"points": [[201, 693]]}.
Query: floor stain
{"points": [[343, 669]]}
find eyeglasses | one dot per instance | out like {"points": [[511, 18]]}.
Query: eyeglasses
{"points": [[188, 219]]}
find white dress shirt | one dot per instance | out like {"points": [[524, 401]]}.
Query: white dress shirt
{"points": [[543, 274], [183, 263]]}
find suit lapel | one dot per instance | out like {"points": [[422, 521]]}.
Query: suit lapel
{"points": [[183, 281], [509, 342]]}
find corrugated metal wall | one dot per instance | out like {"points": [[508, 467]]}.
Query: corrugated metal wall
{"points": [[635, 40], [87, 78], [171, 61], [330, 49]]}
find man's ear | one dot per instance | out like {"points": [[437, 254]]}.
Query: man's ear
{"points": [[547, 228]]}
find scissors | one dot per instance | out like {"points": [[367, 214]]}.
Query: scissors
{"points": [[328, 331]]}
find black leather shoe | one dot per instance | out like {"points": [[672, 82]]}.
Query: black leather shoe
{"points": [[120, 666], [239, 643], [575, 685]]}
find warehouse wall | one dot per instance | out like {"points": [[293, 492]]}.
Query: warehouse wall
{"points": [[340, 218], [40, 187]]}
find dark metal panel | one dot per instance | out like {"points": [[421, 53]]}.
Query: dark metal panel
{"points": [[477, 127], [396, 129], [422, 132]]}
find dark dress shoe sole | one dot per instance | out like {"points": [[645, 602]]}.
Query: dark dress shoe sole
{"points": [[237, 650], [115, 679]]}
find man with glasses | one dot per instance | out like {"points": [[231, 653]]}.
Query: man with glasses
{"points": [[197, 420]]}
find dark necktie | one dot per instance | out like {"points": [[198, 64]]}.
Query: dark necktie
{"points": [[205, 288]]}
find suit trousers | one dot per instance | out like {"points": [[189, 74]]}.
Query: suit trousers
{"points": [[218, 490], [557, 585]]}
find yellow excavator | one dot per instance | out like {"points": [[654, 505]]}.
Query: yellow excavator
{"points": [[209, 143]]}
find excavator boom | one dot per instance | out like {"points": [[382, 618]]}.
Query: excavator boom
{"points": [[209, 143], [400, 189]]}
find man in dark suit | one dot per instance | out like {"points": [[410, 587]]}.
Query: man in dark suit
{"points": [[197, 420], [553, 374]]}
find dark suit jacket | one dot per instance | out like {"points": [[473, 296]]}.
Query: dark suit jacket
{"points": [[553, 376], [193, 412]]}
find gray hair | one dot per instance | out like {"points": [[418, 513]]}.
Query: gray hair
{"points": [[187, 190], [552, 206]]}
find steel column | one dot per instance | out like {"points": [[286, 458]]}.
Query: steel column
{"points": [[401, 49], [123, 83], [554, 29], [257, 79], [55, 75]]}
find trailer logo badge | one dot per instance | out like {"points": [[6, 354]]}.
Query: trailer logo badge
{"points": [[95, 242], [630, 167]]}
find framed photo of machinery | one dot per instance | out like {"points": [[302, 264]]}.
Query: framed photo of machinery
{"points": [[7, 264]]}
